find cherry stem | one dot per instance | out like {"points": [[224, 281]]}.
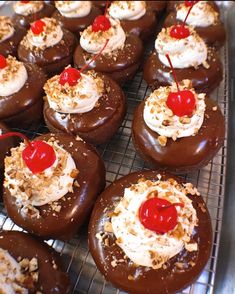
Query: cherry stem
{"points": [[106, 7], [170, 205], [173, 72], [191, 7], [17, 134]]}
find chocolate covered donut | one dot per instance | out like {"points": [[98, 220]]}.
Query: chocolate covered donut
{"points": [[30, 265], [30, 11], [21, 93], [98, 119], [56, 202], [156, 6], [123, 260], [100, 4], [51, 47]]}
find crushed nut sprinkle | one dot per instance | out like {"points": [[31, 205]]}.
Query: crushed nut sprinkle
{"points": [[6, 27], [11, 69]]}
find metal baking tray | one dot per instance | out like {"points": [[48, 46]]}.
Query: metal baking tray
{"points": [[120, 159]]}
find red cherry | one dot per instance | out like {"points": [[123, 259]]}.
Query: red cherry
{"points": [[101, 23], [181, 103], [37, 27], [3, 62], [70, 75], [179, 32], [38, 156], [158, 215], [190, 3]]}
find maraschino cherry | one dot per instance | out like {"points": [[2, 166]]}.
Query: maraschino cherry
{"points": [[37, 155], [190, 3], [37, 27], [101, 22], [181, 102], [159, 215], [3, 62], [180, 31]]}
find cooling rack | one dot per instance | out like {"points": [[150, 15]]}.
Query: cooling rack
{"points": [[120, 159]]}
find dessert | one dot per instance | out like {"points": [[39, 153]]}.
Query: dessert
{"points": [[134, 17], [21, 92], [100, 4], [30, 266], [150, 233], [156, 6], [10, 36], [75, 16], [204, 17], [27, 12], [54, 186], [47, 45], [122, 55], [89, 104]]}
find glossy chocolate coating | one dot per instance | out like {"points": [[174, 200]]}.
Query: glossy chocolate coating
{"points": [[97, 125], [24, 108], [147, 280], [25, 20], [77, 206], [5, 144], [143, 27], [100, 4], [213, 35], [77, 24], [52, 59], [51, 279], [121, 68], [187, 153], [156, 6], [203, 79]]}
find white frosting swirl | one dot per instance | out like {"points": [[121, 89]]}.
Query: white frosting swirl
{"points": [[159, 118], [129, 10], [93, 42], [201, 15], [184, 53], [6, 28], [12, 77], [51, 35], [76, 99], [28, 8], [72, 9], [145, 247], [10, 274]]}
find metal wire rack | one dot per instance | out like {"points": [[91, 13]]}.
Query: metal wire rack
{"points": [[120, 159]]}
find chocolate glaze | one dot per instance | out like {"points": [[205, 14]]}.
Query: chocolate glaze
{"points": [[25, 107], [204, 80], [52, 59], [77, 206], [143, 27], [149, 281], [97, 125], [100, 4], [156, 6], [213, 35], [184, 154], [51, 279], [25, 20], [77, 24], [121, 68]]}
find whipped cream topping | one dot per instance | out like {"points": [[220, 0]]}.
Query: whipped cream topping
{"points": [[93, 42], [39, 189], [12, 77], [201, 15], [6, 28], [28, 8], [159, 118], [145, 247], [129, 10], [72, 9], [80, 98], [184, 53], [51, 35]]}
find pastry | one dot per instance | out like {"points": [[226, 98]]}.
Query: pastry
{"points": [[100, 4], [205, 19], [21, 92], [134, 17], [10, 36], [30, 266], [75, 16], [143, 246], [122, 55], [27, 12], [89, 104], [55, 184], [156, 6]]}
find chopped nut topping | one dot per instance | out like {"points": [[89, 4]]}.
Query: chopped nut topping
{"points": [[162, 140]]}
